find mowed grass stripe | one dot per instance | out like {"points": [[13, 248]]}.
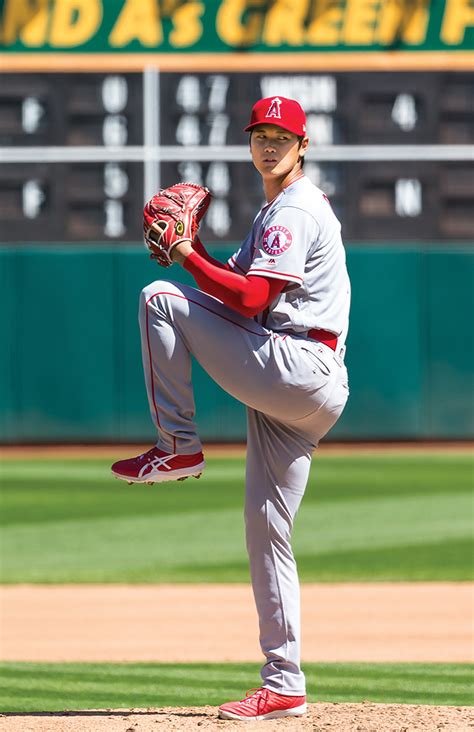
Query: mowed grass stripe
{"points": [[360, 519], [96, 549], [71, 489], [332, 478], [94, 469], [34, 500], [55, 687]]}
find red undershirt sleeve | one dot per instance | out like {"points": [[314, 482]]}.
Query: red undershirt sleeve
{"points": [[199, 247], [248, 295]]}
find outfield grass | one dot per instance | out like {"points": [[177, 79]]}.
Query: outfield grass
{"points": [[386, 517], [28, 687]]}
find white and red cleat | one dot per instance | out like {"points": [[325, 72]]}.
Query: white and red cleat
{"points": [[263, 704], [156, 466]]}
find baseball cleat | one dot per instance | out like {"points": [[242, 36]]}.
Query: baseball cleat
{"points": [[156, 466], [260, 704]]}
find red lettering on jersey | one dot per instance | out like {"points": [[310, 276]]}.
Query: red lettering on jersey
{"points": [[276, 240]]}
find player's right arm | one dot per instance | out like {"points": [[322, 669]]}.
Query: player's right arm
{"points": [[249, 295], [199, 247]]}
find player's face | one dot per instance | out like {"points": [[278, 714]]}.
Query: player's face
{"points": [[275, 151]]}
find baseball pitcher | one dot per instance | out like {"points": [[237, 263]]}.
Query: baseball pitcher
{"points": [[270, 328]]}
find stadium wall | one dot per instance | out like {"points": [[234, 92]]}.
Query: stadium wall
{"points": [[71, 369]]}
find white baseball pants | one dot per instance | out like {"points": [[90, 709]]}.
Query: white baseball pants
{"points": [[295, 390]]}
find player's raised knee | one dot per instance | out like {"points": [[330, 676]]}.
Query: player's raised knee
{"points": [[158, 289], [160, 295]]}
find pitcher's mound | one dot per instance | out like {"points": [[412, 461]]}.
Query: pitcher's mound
{"points": [[366, 717]]}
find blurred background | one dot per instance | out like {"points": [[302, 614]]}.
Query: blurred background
{"points": [[104, 101]]}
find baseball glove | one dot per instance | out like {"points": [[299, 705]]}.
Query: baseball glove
{"points": [[173, 216]]}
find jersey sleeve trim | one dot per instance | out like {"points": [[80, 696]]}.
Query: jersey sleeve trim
{"points": [[259, 271], [232, 262]]}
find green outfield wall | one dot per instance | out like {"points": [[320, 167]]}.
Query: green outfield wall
{"points": [[70, 365]]}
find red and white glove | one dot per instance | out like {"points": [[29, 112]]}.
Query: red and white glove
{"points": [[172, 216]]}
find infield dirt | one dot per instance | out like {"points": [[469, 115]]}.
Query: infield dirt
{"points": [[364, 717], [376, 622]]}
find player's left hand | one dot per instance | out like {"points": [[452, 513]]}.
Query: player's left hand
{"points": [[172, 216]]}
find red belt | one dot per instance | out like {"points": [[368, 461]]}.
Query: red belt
{"points": [[324, 336]]}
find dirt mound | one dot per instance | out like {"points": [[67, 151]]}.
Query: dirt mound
{"points": [[366, 717]]}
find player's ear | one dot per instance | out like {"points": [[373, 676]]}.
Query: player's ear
{"points": [[304, 142], [303, 146]]}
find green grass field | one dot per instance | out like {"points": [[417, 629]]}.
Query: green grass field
{"points": [[386, 517], [53, 687]]}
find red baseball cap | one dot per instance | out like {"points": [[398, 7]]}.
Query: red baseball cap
{"points": [[280, 111]]}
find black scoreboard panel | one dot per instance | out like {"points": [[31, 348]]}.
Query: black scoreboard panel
{"points": [[70, 202], [102, 201], [71, 109], [409, 200], [404, 108]]}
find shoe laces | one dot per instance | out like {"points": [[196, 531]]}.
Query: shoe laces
{"points": [[146, 456], [150, 455], [253, 695]]}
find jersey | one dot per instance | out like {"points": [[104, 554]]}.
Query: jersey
{"points": [[297, 237]]}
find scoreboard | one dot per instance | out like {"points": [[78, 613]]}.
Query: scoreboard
{"points": [[80, 152]]}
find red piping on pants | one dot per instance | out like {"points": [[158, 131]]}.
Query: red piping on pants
{"points": [[151, 366], [182, 297]]}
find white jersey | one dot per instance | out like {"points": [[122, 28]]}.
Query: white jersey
{"points": [[296, 237]]}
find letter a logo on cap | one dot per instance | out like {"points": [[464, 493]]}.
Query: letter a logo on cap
{"points": [[280, 111], [274, 108]]}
